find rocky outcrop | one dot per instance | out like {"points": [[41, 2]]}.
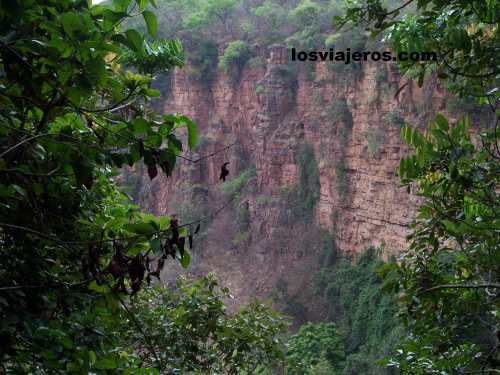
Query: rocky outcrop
{"points": [[274, 108]]}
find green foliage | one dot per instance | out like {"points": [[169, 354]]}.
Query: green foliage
{"points": [[305, 17], [317, 99], [305, 13], [259, 89], [248, 28], [71, 244], [303, 197], [329, 252], [464, 33], [243, 219], [381, 76], [236, 55], [338, 110], [236, 184], [313, 348], [241, 238], [190, 330], [394, 118], [208, 12], [308, 184], [290, 304], [203, 59], [274, 15], [375, 140], [450, 272], [351, 291], [256, 62], [341, 116]]}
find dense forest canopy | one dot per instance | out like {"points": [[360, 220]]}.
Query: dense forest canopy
{"points": [[77, 257]]}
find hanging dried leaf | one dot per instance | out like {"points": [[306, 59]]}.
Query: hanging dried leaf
{"points": [[141, 148], [118, 265], [223, 171], [152, 170]]}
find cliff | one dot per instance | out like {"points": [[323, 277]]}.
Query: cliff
{"points": [[312, 170]]}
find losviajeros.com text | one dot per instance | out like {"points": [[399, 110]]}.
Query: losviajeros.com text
{"points": [[346, 56]]}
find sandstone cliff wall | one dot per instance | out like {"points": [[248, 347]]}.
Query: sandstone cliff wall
{"points": [[271, 111]]}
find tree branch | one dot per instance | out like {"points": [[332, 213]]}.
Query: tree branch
{"points": [[460, 286]]}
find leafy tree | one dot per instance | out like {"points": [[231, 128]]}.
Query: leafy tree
{"points": [[308, 185], [236, 55], [314, 347], [352, 292], [274, 16], [202, 56], [463, 33], [305, 18], [450, 274], [211, 11], [71, 244], [190, 330]]}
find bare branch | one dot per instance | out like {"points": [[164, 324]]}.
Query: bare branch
{"points": [[460, 286]]}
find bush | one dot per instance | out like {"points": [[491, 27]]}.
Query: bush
{"points": [[259, 89], [240, 238], [189, 329], [304, 14], [256, 62], [375, 139], [313, 345], [308, 187], [355, 302], [203, 61], [236, 55], [234, 185], [395, 119], [381, 76], [243, 219], [339, 108], [317, 99]]}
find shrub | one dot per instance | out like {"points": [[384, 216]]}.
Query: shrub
{"points": [[342, 180], [395, 119], [243, 219], [356, 303], [317, 99], [375, 139], [330, 40], [203, 61], [312, 345], [381, 76], [308, 186], [236, 55], [304, 14], [259, 89], [240, 238], [256, 62], [338, 108], [234, 185], [247, 27]]}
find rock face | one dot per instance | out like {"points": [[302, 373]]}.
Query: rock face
{"points": [[274, 108]]}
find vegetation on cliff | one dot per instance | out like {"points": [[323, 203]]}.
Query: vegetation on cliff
{"points": [[449, 278], [76, 255]]}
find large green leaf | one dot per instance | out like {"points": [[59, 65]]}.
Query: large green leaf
{"points": [[151, 22], [136, 40]]}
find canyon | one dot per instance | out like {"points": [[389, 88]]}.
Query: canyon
{"points": [[351, 122]]}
